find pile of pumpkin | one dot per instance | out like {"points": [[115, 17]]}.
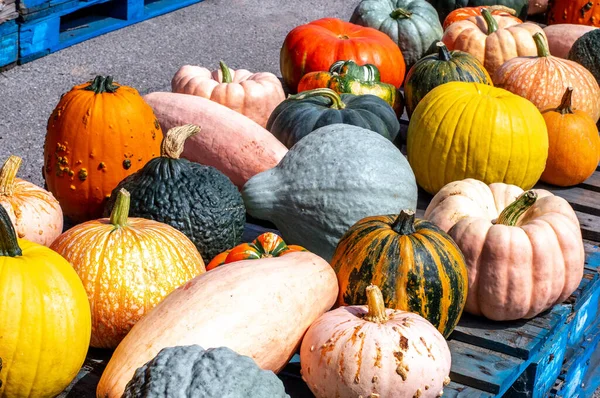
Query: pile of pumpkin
{"points": [[154, 265]]}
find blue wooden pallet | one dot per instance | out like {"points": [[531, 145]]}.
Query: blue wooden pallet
{"points": [[9, 47], [74, 21]]}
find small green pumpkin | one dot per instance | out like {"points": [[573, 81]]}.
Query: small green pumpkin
{"points": [[586, 51], [192, 372], [413, 24], [302, 113], [198, 200], [437, 69]]}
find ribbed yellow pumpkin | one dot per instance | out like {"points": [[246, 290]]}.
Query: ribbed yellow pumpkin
{"points": [[45, 321], [471, 130]]}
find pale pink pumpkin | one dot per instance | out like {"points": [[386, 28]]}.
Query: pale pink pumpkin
{"points": [[561, 37], [254, 95], [35, 213], [524, 250], [371, 351]]}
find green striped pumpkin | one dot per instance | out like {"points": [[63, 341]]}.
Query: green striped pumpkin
{"points": [[417, 266]]}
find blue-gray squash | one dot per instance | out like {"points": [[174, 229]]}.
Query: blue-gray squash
{"points": [[329, 180], [192, 372]]}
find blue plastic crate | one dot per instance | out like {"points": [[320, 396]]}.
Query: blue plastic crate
{"points": [[9, 43]]}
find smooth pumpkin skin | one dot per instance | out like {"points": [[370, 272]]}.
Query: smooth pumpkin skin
{"points": [[413, 24], [459, 130], [345, 353], [514, 271], [127, 266], [574, 149], [543, 80], [445, 7], [93, 141], [562, 37], [317, 45], [537, 7], [581, 12], [214, 307], [418, 267], [586, 51], [35, 213], [436, 69], [463, 13], [254, 95], [511, 40], [45, 318]]}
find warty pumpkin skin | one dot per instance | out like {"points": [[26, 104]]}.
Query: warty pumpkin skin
{"points": [[127, 265], [254, 95], [418, 266], [522, 256], [317, 45], [99, 133], [469, 140], [373, 351], [436, 69], [44, 316], [581, 12], [35, 213], [544, 79], [272, 300], [586, 51], [463, 13], [412, 24], [492, 39]]}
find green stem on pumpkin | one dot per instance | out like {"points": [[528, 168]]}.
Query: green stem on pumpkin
{"points": [[376, 305], [405, 223], [565, 104], [510, 215], [120, 211], [9, 245], [491, 23], [174, 141], [336, 100], [8, 174], [102, 84], [542, 46], [443, 52], [226, 72], [400, 13]]}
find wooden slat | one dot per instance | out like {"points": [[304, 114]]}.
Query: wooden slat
{"points": [[456, 390], [592, 183], [580, 199], [590, 226]]}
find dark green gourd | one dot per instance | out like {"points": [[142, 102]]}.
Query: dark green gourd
{"points": [[192, 372], [198, 200]]}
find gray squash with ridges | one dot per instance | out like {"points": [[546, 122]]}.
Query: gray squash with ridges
{"points": [[192, 372], [329, 180]]}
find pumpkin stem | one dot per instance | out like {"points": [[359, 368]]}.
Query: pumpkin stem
{"points": [[376, 305], [102, 84], [505, 9], [226, 72], [564, 107], [173, 143], [9, 245], [400, 13], [120, 210], [510, 215], [491, 23], [405, 223], [542, 46], [8, 174], [443, 53], [336, 100]]}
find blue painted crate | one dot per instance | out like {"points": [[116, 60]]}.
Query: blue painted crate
{"points": [[9, 47], [75, 21]]}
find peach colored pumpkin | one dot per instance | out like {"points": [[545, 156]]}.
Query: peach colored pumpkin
{"points": [[372, 351], [229, 141], [254, 95], [492, 39], [34, 212], [562, 36], [543, 80], [519, 266], [258, 308]]}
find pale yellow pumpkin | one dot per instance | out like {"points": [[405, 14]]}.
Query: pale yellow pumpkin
{"points": [[470, 130]]}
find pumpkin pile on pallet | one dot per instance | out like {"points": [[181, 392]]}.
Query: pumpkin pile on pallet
{"points": [[156, 191]]}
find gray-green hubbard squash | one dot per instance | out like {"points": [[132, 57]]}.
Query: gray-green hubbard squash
{"points": [[586, 51]]}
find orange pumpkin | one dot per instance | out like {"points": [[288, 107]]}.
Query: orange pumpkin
{"points": [[544, 79], [463, 13], [581, 12], [99, 133], [574, 148]]}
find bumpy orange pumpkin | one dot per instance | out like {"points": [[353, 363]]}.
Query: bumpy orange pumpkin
{"points": [[581, 12], [99, 133]]}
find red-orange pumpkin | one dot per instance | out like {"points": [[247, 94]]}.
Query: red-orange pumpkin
{"points": [[581, 12], [463, 13]]}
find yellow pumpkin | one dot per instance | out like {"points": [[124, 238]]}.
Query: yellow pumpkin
{"points": [[45, 321], [471, 130]]}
